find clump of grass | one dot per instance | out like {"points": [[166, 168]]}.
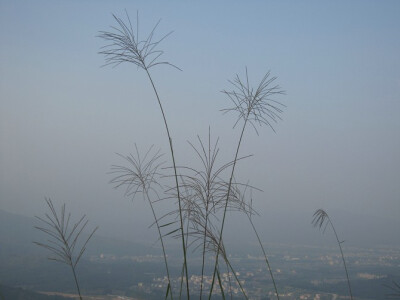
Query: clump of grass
{"points": [[322, 219], [208, 190], [63, 238], [205, 195]]}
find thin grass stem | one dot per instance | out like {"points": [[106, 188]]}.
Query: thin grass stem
{"points": [[321, 218], [139, 177], [225, 208], [176, 182], [254, 107], [265, 255], [125, 46]]}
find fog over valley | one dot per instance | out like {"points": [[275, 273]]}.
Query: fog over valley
{"points": [[200, 149]]}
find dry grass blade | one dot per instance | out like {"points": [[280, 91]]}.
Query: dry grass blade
{"points": [[321, 218], [216, 242], [140, 176], [250, 212], [205, 190], [62, 239], [395, 287], [124, 45], [255, 106]]}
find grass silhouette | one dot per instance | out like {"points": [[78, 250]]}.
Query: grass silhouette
{"points": [[203, 196], [63, 238], [125, 46], [139, 177], [322, 219], [394, 287]]}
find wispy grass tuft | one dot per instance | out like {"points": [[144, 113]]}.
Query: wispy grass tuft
{"points": [[254, 106], [321, 220], [395, 290], [139, 177], [125, 45], [209, 190], [63, 238]]}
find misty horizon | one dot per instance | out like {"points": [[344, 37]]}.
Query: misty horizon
{"points": [[323, 133]]}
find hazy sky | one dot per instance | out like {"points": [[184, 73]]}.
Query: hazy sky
{"points": [[63, 117]]}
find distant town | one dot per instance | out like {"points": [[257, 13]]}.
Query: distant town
{"points": [[300, 272]]}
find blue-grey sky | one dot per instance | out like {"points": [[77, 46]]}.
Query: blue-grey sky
{"points": [[63, 117]]}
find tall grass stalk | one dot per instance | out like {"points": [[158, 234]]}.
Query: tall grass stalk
{"points": [[63, 239], [206, 188], [208, 163], [254, 107], [125, 46], [320, 219], [140, 177], [177, 185]]}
